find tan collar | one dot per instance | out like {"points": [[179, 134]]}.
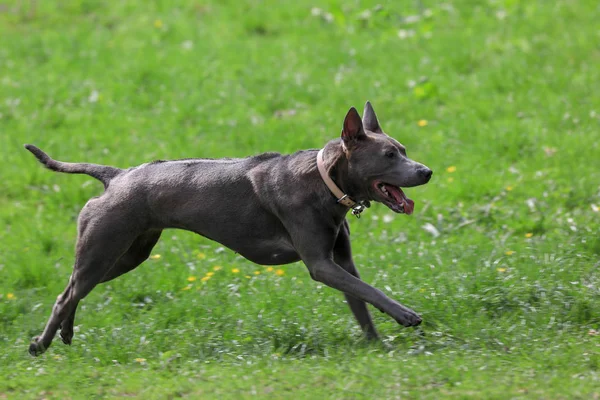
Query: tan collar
{"points": [[341, 197]]}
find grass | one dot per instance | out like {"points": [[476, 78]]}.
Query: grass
{"points": [[501, 256]]}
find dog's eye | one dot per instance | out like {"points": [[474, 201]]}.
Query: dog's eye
{"points": [[390, 154]]}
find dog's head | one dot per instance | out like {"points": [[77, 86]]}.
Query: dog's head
{"points": [[378, 166]]}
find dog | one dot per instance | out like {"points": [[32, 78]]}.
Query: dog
{"points": [[272, 209]]}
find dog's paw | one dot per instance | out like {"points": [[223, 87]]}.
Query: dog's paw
{"points": [[36, 348], [408, 317], [409, 320], [66, 336]]}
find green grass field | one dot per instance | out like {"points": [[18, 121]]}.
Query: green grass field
{"points": [[502, 256]]}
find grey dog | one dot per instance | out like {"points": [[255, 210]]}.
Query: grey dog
{"points": [[272, 209]]}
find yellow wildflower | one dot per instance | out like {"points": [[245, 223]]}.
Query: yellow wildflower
{"points": [[528, 234], [419, 91], [247, 276], [451, 169], [279, 272], [188, 287], [205, 278], [509, 252], [422, 123], [191, 279], [158, 24], [501, 269], [256, 272], [216, 267], [235, 270], [10, 296], [210, 273], [155, 256], [269, 269], [509, 188], [201, 256], [140, 360]]}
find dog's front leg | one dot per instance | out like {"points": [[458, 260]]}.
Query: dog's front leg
{"points": [[315, 243], [331, 274], [316, 250], [342, 255]]}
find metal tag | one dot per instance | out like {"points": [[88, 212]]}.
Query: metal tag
{"points": [[359, 208]]}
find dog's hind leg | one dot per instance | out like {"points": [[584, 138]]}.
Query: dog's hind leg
{"points": [[138, 252], [342, 255], [104, 236]]}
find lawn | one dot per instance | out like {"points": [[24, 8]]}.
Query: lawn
{"points": [[501, 257]]}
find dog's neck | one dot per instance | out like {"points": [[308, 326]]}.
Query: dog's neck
{"points": [[336, 163]]}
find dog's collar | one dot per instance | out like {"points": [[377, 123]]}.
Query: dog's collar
{"points": [[342, 198]]}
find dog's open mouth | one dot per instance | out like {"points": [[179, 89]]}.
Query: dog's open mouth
{"points": [[393, 197]]}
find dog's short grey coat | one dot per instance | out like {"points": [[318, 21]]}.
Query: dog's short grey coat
{"points": [[272, 209]]}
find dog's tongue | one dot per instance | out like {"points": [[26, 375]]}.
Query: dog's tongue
{"points": [[409, 205]]}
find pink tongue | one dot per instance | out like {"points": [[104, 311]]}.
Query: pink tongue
{"points": [[409, 205]]}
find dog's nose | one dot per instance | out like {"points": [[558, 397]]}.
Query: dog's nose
{"points": [[426, 173]]}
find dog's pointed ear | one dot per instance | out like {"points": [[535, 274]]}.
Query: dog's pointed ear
{"points": [[353, 130], [370, 121]]}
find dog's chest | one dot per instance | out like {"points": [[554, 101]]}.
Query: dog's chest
{"points": [[270, 252]]}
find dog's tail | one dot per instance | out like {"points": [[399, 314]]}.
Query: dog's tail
{"points": [[103, 173]]}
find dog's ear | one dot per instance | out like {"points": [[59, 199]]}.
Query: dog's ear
{"points": [[370, 121], [353, 128]]}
